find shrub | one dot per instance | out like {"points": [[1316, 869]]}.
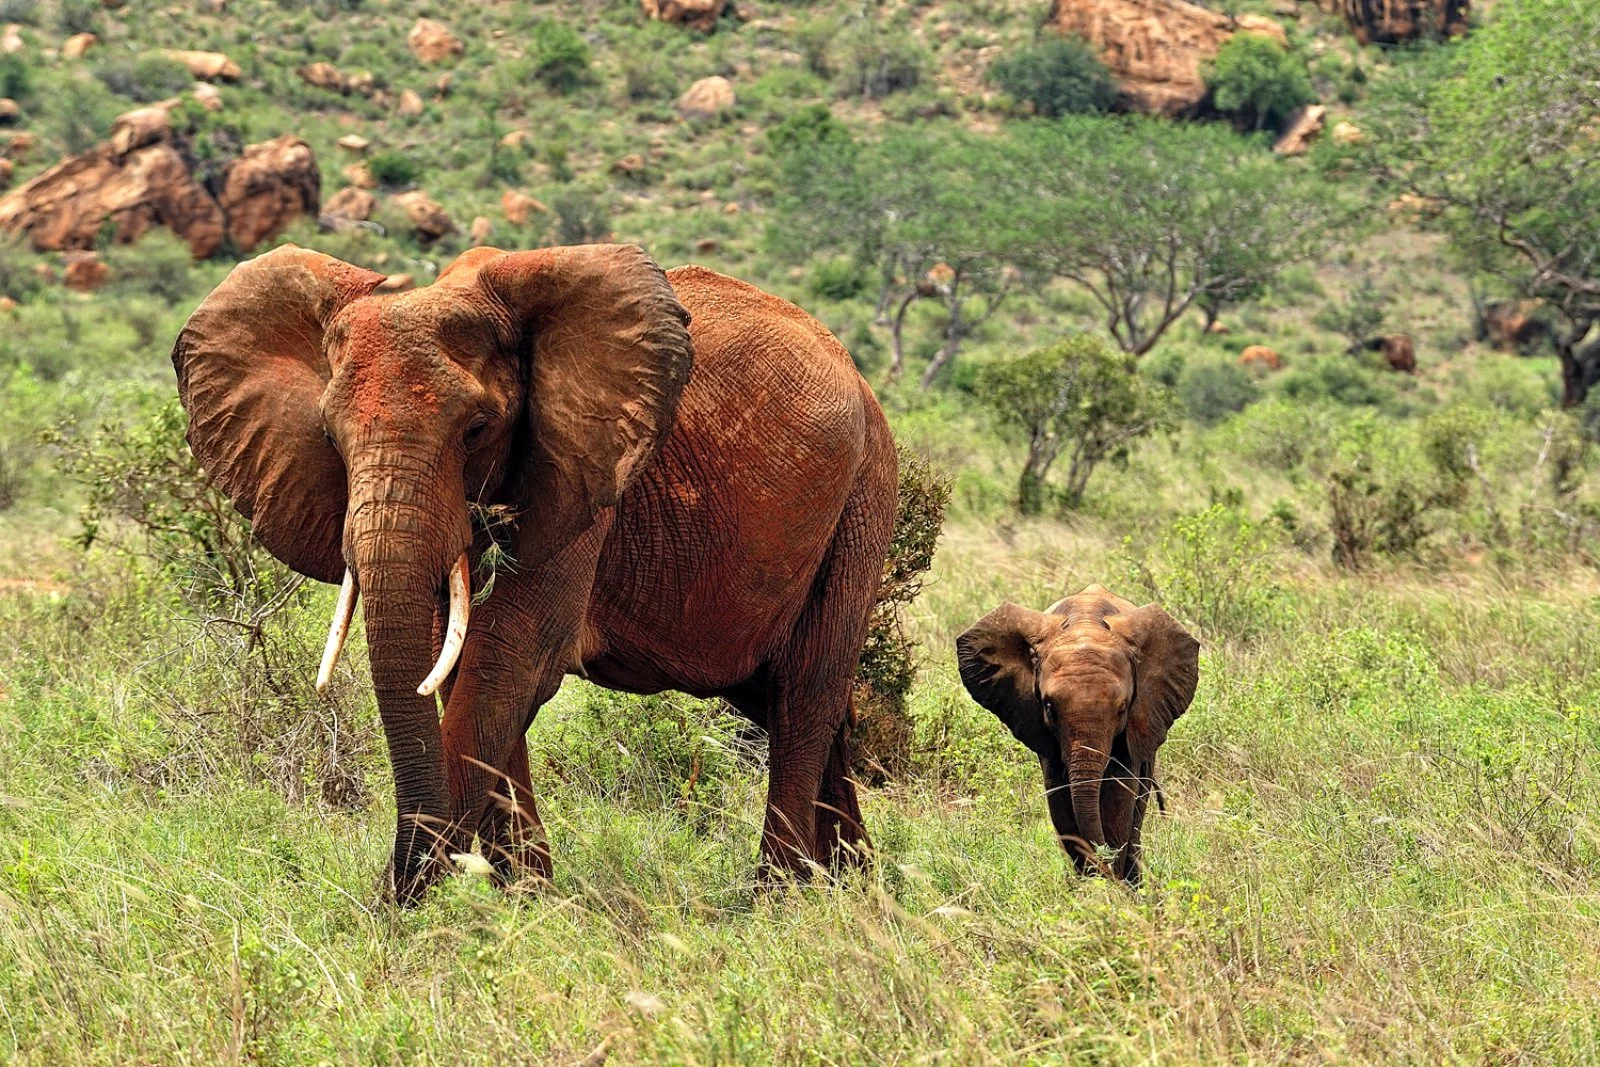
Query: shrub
{"points": [[839, 278], [16, 80], [873, 63], [653, 752], [147, 78], [1359, 316], [77, 16], [1341, 380], [1058, 76], [1080, 396], [1210, 392], [1256, 79], [394, 169], [888, 660], [160, 264], [581, 217], [560, 56], [1211, 569]]}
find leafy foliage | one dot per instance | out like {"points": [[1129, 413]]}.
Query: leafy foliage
{"points": [[1058, 76], [1079, 396], [1150, 217], [560, 56], [889, 659], [1259, 80], [1494, 134]]}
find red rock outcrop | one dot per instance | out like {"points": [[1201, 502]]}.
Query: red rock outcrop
{"points": [[268, 187], [1397, 21], [432, 42], [1303, 126], [425, 214], [140, 178], [1155, 49], [1260, 356], [85, 272], [207, 66], [699, 15]]}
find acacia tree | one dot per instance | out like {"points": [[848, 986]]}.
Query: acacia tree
{"points": [[1077, 397], [913, 207], [1498, 137], [1153, 218]]}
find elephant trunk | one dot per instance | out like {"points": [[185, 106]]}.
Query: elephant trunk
{"points": [[1086, 771], [402, 545]]}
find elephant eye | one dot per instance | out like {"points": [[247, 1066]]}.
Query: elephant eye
{"points": [[473, 436], [1049, 713]]}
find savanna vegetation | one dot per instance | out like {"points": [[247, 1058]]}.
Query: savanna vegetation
{"points": [[1378, 842]]}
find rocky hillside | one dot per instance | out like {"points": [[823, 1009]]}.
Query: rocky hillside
{"points": [[411, 131]]}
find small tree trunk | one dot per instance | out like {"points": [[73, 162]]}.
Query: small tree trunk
{"points": [[1580, 365], [1030, 488], [897, 363], [954, 330]]}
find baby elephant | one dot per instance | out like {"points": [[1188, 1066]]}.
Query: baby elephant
{"points": [[1091, 686]]}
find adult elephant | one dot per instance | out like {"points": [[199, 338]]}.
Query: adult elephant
{"points": [[701, 491]]}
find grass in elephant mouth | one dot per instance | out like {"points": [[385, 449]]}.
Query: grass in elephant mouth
{"points": [[1377, 848]]}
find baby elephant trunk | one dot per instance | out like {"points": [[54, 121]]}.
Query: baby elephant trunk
{"points": [[1086, 771]]}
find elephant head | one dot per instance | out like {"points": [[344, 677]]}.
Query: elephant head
{"points": [[356, 429], [1091, 687]]}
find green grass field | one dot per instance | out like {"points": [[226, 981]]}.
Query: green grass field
{"points": [[1377, 849]]}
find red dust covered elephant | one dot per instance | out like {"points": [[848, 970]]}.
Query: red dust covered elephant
{"points": [[701, 491]]}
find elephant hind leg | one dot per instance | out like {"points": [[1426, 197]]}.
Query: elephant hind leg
{"points": [[841, 836], [812, 807]]}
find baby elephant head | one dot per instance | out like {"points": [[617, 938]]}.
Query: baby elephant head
{"points": [[1091, 686]]}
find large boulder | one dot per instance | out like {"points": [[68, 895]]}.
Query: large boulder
{"points": [[350, 204], [85, 272], [1303, 126], [518, 206], [65, 207], [268, 187], [432, 42], [707, 98], [1155, 49], [1398, 21], [426, 215], [207, 66], [75, 46], [699, 15]]}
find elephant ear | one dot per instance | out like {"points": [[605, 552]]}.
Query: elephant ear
{"points": [[251, 373], [998, 661], [1166, 671], [608, 352]]}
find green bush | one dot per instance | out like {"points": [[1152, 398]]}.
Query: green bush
{"points": [[1210, 392], [888, 665], [872, 62], [1079, 399], [560, 56], [16, 79], [147, 78], [394, 169], [581, 217], [1255, 78], [1335, 378], [839, 278], [1212, 569], [1058, 76]]}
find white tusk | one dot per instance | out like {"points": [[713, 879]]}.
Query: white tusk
{"points": [[338, 631], [455, 634]]}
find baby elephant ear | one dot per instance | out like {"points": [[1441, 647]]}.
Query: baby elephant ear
{"points": [[608, 354], [1166, 673], [998, 666], [251, 373]]}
